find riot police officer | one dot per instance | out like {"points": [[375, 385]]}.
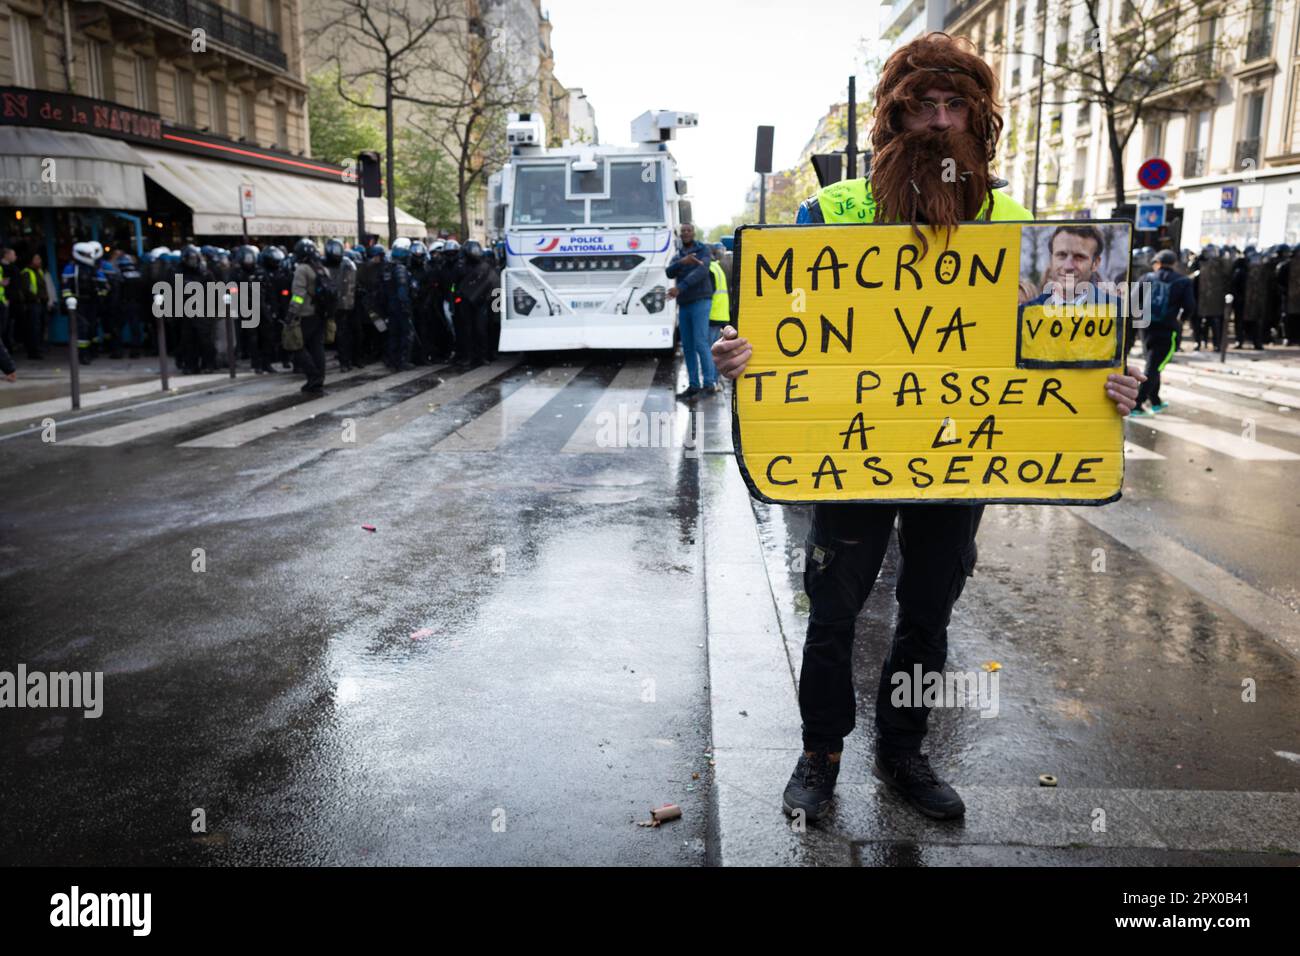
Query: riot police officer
{"points": [[304, 333], [266, 341], [474, 289], [1211, 278], [198, 348], [422, 288], [82, 280], [132, 305], [343, 272], [395, 301]]}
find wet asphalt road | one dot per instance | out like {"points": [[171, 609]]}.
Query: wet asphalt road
{"points": [[509, 670]]}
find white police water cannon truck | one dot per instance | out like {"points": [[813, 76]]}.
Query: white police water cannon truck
{"points": [[588, 231]]}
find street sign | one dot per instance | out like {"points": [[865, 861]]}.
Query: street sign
{"points": [[247, 208], [1151, 210], [1154, 173], [1228, 197]]}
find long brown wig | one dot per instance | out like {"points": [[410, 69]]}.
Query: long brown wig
{"points": [[935, 177]]}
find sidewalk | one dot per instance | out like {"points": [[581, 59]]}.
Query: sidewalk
{"points": [[1125, 685], [48, 380]]}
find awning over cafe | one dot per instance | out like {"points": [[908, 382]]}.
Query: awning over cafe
{"points": [[52, 168], [286, 205]]}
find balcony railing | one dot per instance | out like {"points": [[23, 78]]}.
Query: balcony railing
{"points": [[1193, 65], [220, 25], [1194, 163], [1247, 150], [957, 10], [1259, 43]]}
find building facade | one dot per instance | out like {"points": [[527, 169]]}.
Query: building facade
{"points": [[140, 122], [1222, 111]]}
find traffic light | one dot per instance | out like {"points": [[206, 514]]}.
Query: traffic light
{"points": [[371, 181], [763, 150]]}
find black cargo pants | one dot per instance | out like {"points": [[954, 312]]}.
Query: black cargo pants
{"points": [[846, 547]]}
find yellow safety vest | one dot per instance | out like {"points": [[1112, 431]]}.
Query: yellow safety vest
{"points": [[851, 201], [720, 311]]}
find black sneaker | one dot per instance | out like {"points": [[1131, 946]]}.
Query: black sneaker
{"points": [[688, 395], [812, 785], [913, 777]]}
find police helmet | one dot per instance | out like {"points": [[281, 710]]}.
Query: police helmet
{"points": [[403, 243], [159, 251], [246, 258], [304, 250], [419, 252], [333, 252], [96, 249], [1166, 257], [377, 251], [84, 253], [436, 245], [355, 255], [191, 256], [271, 258], [473, 249], [451, 246]]}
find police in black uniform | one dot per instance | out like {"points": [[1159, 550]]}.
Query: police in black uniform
{"points": [[478, 278], [198, 348], [133, 304], [394, 297], [306, 309]]}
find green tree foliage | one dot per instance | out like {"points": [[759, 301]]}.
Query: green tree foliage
{"points": [[426, 181], [339, 130]]}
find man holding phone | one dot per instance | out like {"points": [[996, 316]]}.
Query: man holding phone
{"points": [[694, 295]]}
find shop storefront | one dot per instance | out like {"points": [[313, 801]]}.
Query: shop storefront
{"points": [[1261, 210], [74, 168]]}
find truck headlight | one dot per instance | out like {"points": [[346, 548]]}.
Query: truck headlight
{"points": [[523, 302], [654, 299]]}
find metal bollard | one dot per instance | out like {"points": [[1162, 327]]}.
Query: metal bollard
{"points": [[74, 360]]}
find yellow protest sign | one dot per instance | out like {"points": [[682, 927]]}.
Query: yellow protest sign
{"points": [[974, 371]]}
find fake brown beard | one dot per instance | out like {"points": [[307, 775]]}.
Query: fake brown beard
{"points": [[933, 177]]}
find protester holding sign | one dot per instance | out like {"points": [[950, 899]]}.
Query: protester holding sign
{"points": [[935, 134]]}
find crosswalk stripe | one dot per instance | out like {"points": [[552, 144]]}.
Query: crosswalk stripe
{"points": [[503, 419], [1231, 410], [1263, 394], [1212, 438], [256, 428], [374, 427], [1135, 452], [33, 411], [224, 405], [624, 398]]}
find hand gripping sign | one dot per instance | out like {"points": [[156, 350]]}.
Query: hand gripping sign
{"points": [[971, 371]]}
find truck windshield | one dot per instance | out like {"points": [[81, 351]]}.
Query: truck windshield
{"points": [[539, 198], [631, 198]]}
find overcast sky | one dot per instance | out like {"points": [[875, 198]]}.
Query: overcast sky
{"points": [[737, 63]]}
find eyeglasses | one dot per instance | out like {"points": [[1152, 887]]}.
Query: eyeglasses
{"points": [[955, 107]]}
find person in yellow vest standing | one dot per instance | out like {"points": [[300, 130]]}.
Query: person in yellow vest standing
{"points": [[936, 103], [720, 309]]}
